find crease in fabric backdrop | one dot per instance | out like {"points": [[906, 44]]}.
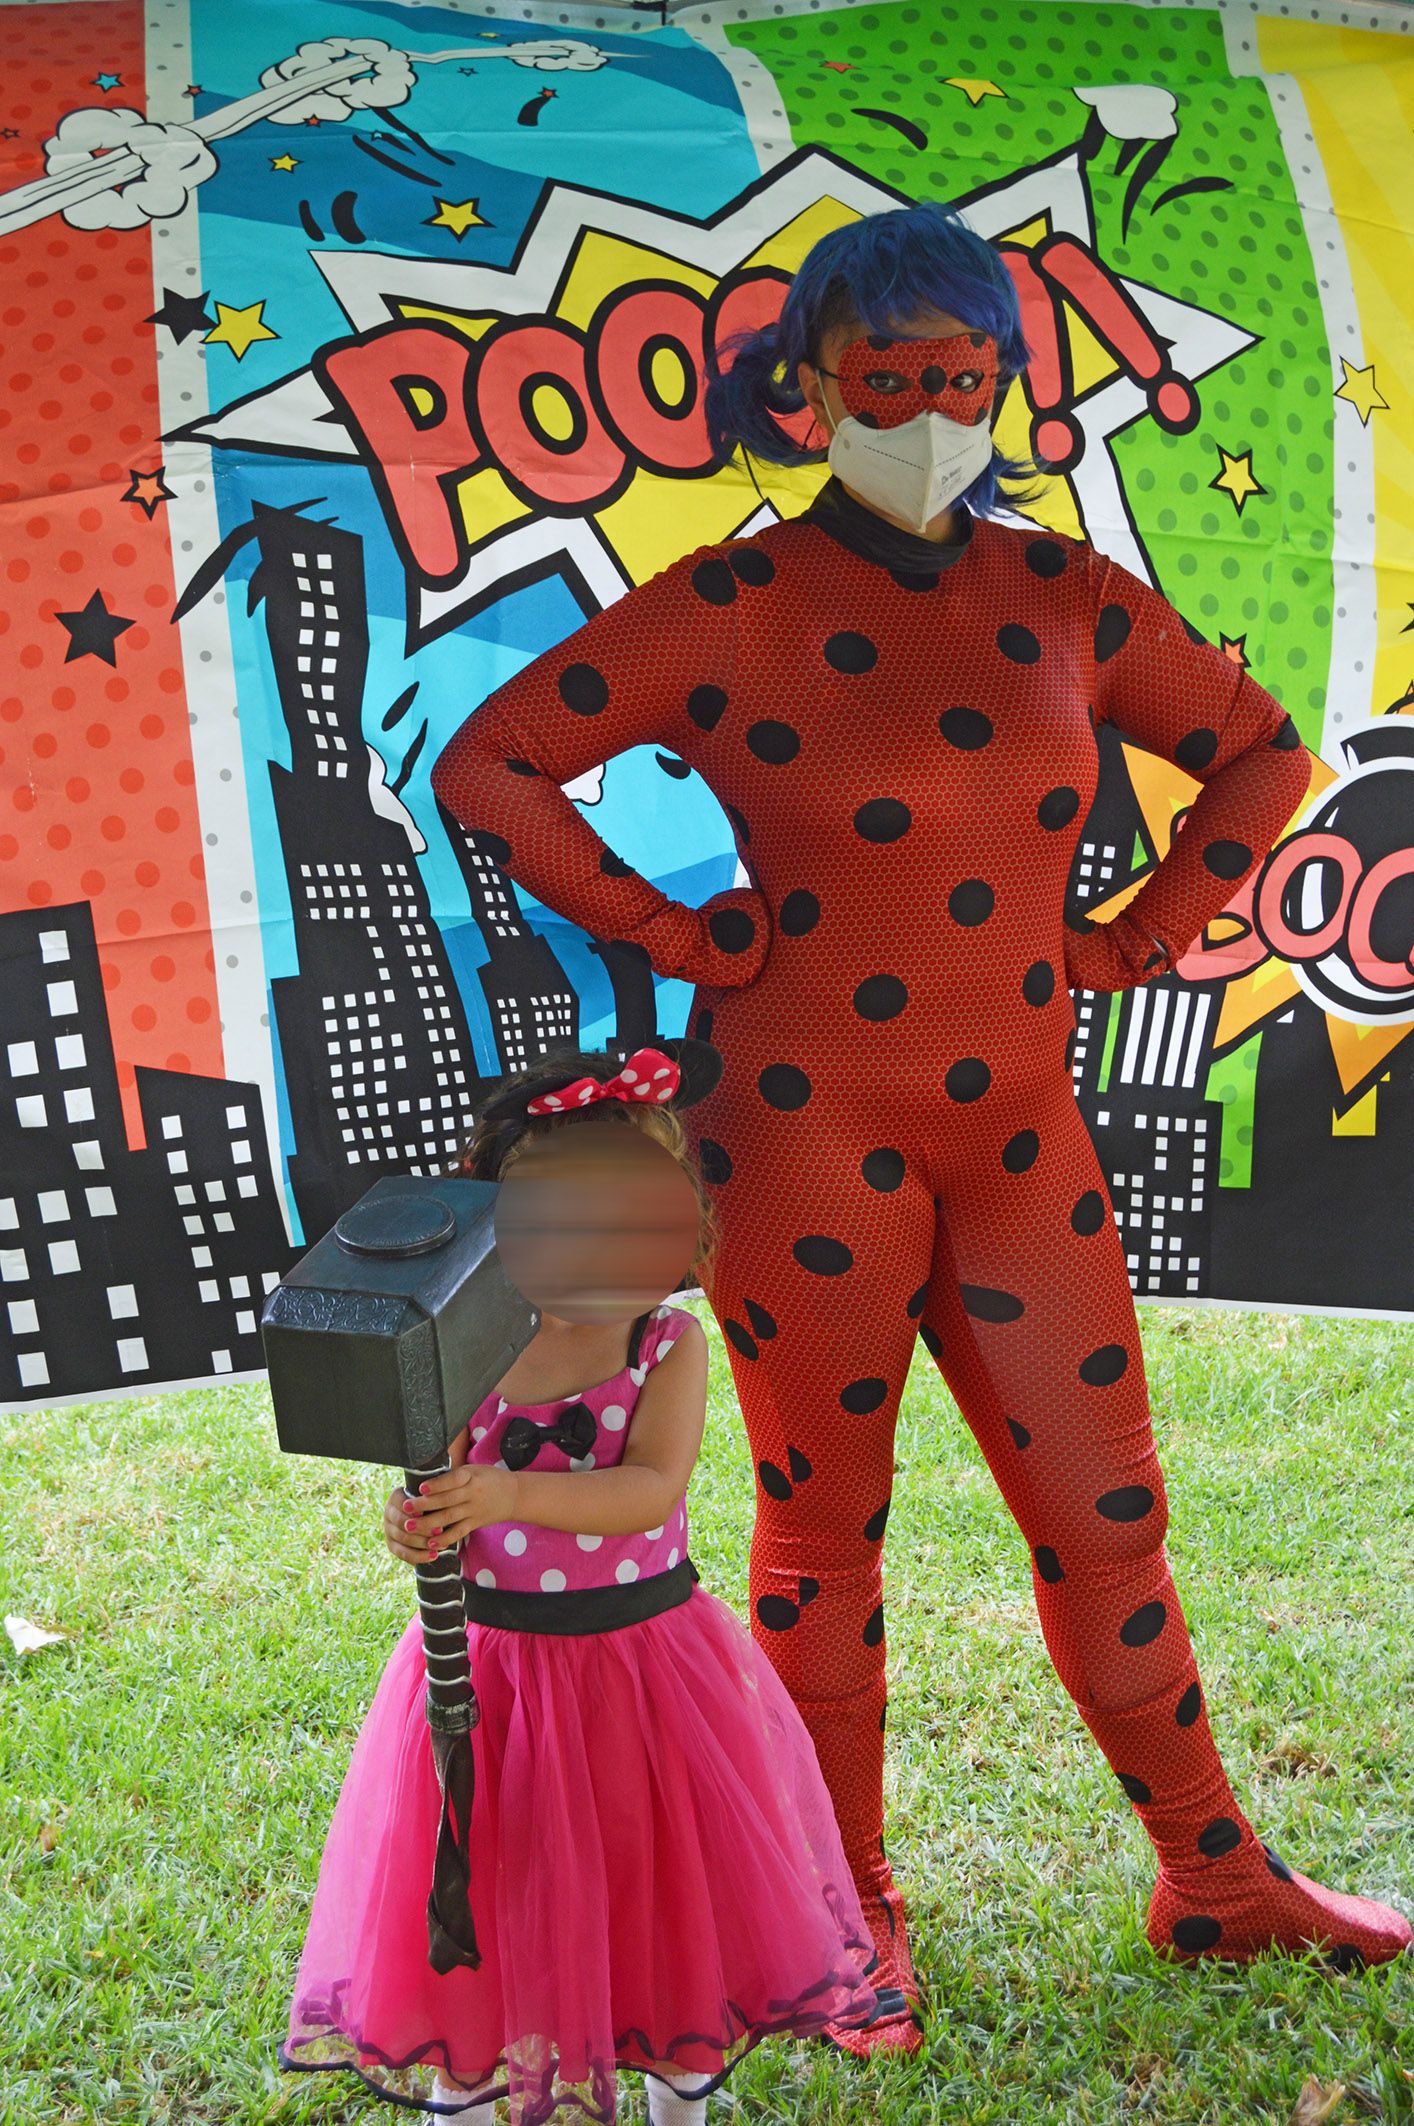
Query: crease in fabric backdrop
{"points": [[277, 513]]}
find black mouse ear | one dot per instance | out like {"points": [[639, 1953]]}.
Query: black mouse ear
{"points": [[699, 1065], [511, 1102]]}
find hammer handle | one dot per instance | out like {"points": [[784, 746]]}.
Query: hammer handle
{"points": [[451, 1700]]}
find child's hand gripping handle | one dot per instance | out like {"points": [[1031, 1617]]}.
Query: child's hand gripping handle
{"points": [[452, 1712]]}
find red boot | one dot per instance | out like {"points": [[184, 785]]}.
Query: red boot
{"points": [[898, 2024], [1221, 1894], [1250, 1901]]}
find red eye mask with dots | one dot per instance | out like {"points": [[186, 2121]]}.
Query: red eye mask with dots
{"points": [[886, 382]]}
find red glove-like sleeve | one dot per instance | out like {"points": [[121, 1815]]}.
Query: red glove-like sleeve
{"points": [[1175, 695], [641, 672]]}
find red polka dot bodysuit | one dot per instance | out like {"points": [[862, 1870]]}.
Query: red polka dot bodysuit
{"points": [[907, 756]]}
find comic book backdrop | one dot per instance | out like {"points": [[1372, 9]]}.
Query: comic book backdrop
{"points": [[350, 361]]}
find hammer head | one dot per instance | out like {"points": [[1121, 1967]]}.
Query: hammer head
{"points": [[385, 1336]]}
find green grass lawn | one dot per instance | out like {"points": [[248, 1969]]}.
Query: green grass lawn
{"points": [[166, 1777]]}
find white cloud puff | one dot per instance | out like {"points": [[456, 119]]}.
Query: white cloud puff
{"points": [[174, 161], [390, 81]]}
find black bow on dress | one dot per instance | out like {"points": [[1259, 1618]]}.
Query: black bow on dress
{"points": [[574, 1431]]}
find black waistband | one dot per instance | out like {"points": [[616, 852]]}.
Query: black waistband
{"points": [[579, 1610]]}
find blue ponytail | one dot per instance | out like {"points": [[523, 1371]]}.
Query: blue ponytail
{"points": [[879, 272]]}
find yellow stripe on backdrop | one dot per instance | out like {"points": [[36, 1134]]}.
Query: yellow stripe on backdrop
{"points": [[1358, 88]]}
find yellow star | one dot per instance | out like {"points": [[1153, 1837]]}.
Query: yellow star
{"points": [[974, 91], [284, 162], [458, 215], [239, 329], [1237, 478], [1360, 390]]}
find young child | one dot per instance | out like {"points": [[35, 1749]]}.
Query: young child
{"points": [[657, 1879]]}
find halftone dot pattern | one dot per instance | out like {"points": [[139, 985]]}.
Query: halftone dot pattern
{"points": [[97, 798], [1240, 253]]}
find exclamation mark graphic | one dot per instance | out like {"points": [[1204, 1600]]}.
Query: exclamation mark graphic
{"points": [[1113, 318], [1057, 438]]}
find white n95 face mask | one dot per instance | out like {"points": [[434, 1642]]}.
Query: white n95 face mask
{"points": [[915, 469]]}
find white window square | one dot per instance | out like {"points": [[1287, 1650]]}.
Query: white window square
{"points": [[24, 1317], [224, 1222], [63, 999], [215, 1191], [240, 1151], [193, 1225], [101, 1203], [53, 1205], [235, 1118], [78, 1103], [245, 1323], [9, 1216], [246, 1185], [132, 1354], [177, 1162], [34, 1369], [63, 1257], [69, 1049], [53, 945], [24, 1059], [184, 1192], [122, 1301], [30, 1110], [269, 1279], [14, 1266], [171, 1125], [201, 1258], [221, 1362], [240, 1287], [209, 1289], [88, 1153]]}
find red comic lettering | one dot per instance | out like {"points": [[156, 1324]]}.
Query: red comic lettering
{"points": [[1372, 966], [534, 415], [632, 331], [402, 393], [747, 303], [1281, 874], [1235, 955]]}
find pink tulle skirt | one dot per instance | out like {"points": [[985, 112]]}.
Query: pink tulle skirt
{"points": [[657, 1878]]}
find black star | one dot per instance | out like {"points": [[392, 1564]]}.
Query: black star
{"points": [[183, 314], [1409, 628], [93, 632], [193, 88], [9, 132]]}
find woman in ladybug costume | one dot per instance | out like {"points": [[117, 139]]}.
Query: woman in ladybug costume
{"points": [[895, 698]]}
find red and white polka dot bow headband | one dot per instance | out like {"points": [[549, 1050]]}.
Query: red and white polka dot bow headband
{"points": [[647, 1075]]}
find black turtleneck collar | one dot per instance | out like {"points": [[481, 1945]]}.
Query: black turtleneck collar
{"points": [[865, 532]]}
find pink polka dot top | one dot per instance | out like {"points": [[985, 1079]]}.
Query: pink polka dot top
{"points": [[591, 1429]]}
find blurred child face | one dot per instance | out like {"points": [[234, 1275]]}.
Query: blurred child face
{"points": [[596, 1221]]}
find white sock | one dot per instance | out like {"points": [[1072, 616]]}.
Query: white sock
{"points": [[469, 2115], [666, 2107]]}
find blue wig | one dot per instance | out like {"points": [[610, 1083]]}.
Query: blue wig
{"points": [[877, 273]]}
